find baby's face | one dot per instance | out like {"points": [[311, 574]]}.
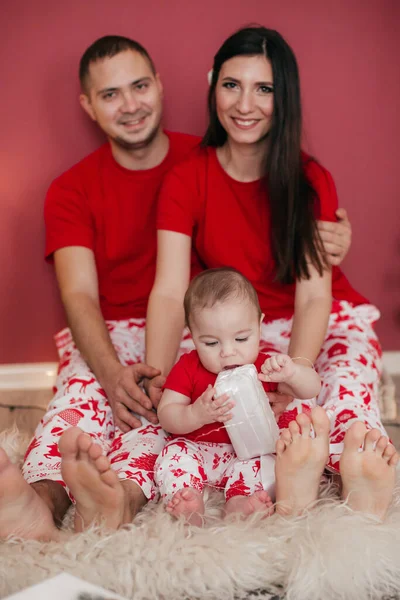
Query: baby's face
{"points": [[226, 335]]}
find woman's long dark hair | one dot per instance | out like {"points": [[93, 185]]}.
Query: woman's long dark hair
{"points": [[293, 201]]}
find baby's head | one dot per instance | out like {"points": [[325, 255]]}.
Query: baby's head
{"points": [[224, 316]]}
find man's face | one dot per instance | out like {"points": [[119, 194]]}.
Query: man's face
{"points": [[125, 98]]}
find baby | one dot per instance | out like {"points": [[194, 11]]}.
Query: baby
{"points": [[224, 317]]}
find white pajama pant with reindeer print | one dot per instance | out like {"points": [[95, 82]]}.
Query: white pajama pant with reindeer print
{"points": [[349, 364]]}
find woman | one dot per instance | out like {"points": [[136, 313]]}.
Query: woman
{"points": [[250, 199]]}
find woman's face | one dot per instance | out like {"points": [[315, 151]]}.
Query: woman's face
{"points": [[245, 98]]}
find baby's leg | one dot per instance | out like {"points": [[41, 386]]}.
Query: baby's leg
{"points": [[180, 477], [187, 503], [251, 486]]}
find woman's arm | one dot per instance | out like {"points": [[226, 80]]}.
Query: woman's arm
{"points": [[165, 314], [313, 303]]}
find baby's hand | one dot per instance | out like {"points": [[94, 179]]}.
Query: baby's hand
{"points": [[210, 410], [277, 368]]}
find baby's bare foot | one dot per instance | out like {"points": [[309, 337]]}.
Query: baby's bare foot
{"points": [[96, 488], [300, 461], [368, 475], [259, 502], [187, 503], [22, 512]]}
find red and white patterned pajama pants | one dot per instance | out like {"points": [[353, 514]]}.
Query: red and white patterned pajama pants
{"points": [[184, 464], [80, 401], [350, 366]]}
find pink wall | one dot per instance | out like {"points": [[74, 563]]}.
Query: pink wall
{"points": [[348, 53]]}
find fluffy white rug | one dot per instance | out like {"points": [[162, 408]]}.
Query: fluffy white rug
{"points": [[328, 553]]}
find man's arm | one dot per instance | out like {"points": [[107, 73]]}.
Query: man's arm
{"points": [[77, 280], [336, 237]]}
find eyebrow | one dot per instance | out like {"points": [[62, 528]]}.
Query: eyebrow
{"points": [[238, 81], [208, 335], [114, 89]]}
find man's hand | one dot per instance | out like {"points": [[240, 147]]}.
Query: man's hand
{"points": [[153, 389], [336, 237], [125, 395], [210, 410]]}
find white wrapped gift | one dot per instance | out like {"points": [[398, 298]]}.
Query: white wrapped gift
{"points": [[253, 429]]}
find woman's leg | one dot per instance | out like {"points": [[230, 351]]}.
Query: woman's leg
{"points": [[302, 450], [350, 365]]}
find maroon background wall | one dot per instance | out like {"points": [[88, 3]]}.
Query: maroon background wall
{"points": [[348, 52]]}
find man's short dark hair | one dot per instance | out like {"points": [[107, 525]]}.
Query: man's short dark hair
{"points": [[107, 47]]}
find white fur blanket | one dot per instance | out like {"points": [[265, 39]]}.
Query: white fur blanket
{"points": [[328, 553]]}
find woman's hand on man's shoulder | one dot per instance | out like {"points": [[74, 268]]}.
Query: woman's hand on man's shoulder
{"points": [[336, 237]]}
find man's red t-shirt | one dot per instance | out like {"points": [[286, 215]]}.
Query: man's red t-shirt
{"points": [[190, 378], [111, 210], [229, 222]]}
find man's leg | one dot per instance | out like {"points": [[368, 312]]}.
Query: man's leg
{"points": [[55, 496], [29, 511], [131, 456], [100, 496], [134, 500], [34, 502]]}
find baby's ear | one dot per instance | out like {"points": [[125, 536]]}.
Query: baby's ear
{"points": [[261, 319]]}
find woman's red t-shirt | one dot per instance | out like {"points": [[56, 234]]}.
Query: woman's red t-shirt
{"points": [[229, 223]]}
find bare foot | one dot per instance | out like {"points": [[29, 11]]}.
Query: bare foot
{"points": [[300, 461], [368, 475], [189, 504], [96, 488], [259, 502], [22, 512]]}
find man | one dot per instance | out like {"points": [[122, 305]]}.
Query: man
{"points": [[101, 235]]}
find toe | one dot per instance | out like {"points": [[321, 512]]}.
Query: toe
{"points": [[109, 477], [320, 421], [381, 445], [371, 439], [280, 447], [84, 442], [102, 464], [94, 451], [187, 494], [294, 429], [394, 459], [354, 437], [68, 444], [389, 451], [305, 425], [286, 436]]}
